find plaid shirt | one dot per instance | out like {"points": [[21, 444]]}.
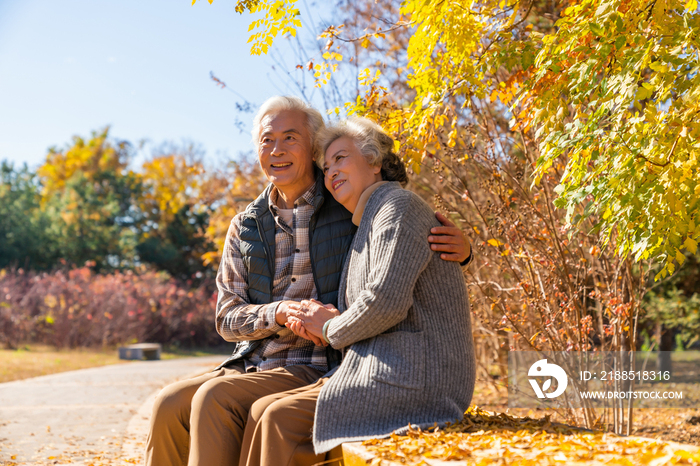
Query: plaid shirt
{"points": [[239, 320]]}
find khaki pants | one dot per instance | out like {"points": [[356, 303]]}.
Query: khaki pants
{"points": [[214, 409], [278, 431]]}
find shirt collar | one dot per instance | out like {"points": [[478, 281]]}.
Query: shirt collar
{"points": [[307, 197], [362, 202]]}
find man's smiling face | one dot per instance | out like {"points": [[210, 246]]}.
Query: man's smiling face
{"points": [[285, 152]]}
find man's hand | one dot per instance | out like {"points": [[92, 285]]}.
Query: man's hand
{"points": [[282, 313], [313, 315], [449, 240]]}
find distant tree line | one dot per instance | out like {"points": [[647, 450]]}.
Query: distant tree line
{"points": [[86, 205]]}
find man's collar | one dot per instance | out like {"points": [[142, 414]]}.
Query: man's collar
{"points": [[307, 197]]}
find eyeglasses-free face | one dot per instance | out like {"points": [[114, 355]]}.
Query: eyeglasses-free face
{"points": [[347, 172]]}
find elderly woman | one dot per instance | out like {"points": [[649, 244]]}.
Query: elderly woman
{"points": [[402, 323]]}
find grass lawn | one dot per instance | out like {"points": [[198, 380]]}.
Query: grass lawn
{"points": [[35, 360]]}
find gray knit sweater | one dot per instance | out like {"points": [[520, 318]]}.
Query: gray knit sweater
{"points": [[405, 329]]}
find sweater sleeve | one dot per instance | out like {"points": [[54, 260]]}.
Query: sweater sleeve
{"points": [[399, 252]]}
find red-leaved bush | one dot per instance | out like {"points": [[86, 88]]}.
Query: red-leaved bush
{"points": [[79, 308]]}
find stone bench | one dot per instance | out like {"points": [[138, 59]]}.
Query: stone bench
{"points": [[139, 351]]}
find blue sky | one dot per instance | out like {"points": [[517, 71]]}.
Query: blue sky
{"points": [[71, 66]]}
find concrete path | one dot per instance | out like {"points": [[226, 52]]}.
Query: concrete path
{"points": [[95, 416]]}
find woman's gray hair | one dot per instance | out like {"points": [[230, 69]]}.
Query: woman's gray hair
{"points": [[372, 142], [278, 103]]}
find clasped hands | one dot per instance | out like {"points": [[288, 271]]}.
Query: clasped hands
{"points": [[306, 319]]}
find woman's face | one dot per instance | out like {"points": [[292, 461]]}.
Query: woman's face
{"points": [[347, 172]]}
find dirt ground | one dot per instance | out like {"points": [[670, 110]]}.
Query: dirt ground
{"points": [[671, 424]]}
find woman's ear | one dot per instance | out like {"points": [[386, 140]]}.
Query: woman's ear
{"points": [[376, 170]]}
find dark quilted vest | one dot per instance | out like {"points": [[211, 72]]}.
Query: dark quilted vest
{"points": [[330, 234]]}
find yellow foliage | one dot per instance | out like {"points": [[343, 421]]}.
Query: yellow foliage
{"points": [[172, 182], [243, 182], [90, 158], [612, 87], [280, 16], [482, 436]]}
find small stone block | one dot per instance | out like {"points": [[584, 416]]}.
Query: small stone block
{"points": [[139, 351]]}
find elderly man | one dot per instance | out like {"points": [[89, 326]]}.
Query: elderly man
{"points": [[287, 246]]}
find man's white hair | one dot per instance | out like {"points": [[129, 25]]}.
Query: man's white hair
{"points": [[314, 119]]}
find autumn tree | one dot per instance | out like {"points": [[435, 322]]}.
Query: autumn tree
{"points": [[188, 205], [176, 204], [24, 227], [89, 192], [613, 88], [85, 204], [240, 182]]}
